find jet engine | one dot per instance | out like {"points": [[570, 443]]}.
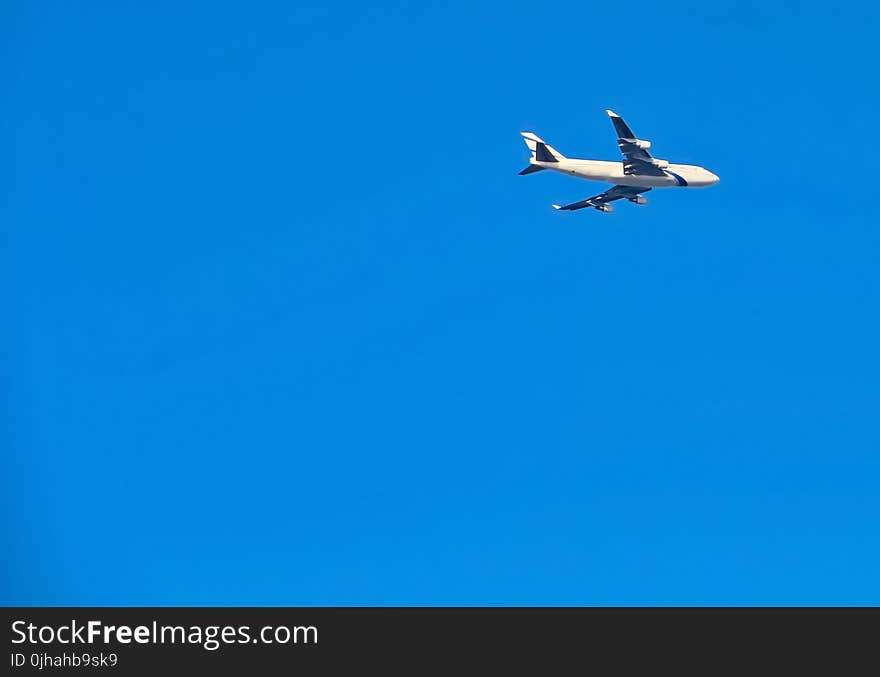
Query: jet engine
{"points": [[638, 200], [605, 208], [641, 143], [662, 164]]}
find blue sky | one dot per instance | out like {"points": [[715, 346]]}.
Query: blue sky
{"points": [[253, 354]]}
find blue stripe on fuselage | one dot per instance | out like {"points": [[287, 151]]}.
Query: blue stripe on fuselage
{"points": [[680, 179]]}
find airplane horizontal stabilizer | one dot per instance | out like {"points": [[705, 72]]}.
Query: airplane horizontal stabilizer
{"points": [[531, 169]]}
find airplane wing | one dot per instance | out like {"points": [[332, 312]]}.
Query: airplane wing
{"points": [[636, 158], [610, 195]]}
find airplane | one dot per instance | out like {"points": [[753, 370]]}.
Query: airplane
{"points": [[637, 174]]}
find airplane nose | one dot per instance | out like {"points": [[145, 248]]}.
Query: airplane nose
{"points": [[713, 178]]}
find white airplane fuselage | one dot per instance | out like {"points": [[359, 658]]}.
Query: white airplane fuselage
{"points": [[686, 176]]}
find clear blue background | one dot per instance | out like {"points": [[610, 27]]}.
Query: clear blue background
{"points": [[282, 325]]}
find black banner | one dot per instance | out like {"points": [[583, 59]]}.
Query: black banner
{"points": [[165, 640]]}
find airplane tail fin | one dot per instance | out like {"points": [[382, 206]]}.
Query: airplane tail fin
{"points": [[541, 152]]}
